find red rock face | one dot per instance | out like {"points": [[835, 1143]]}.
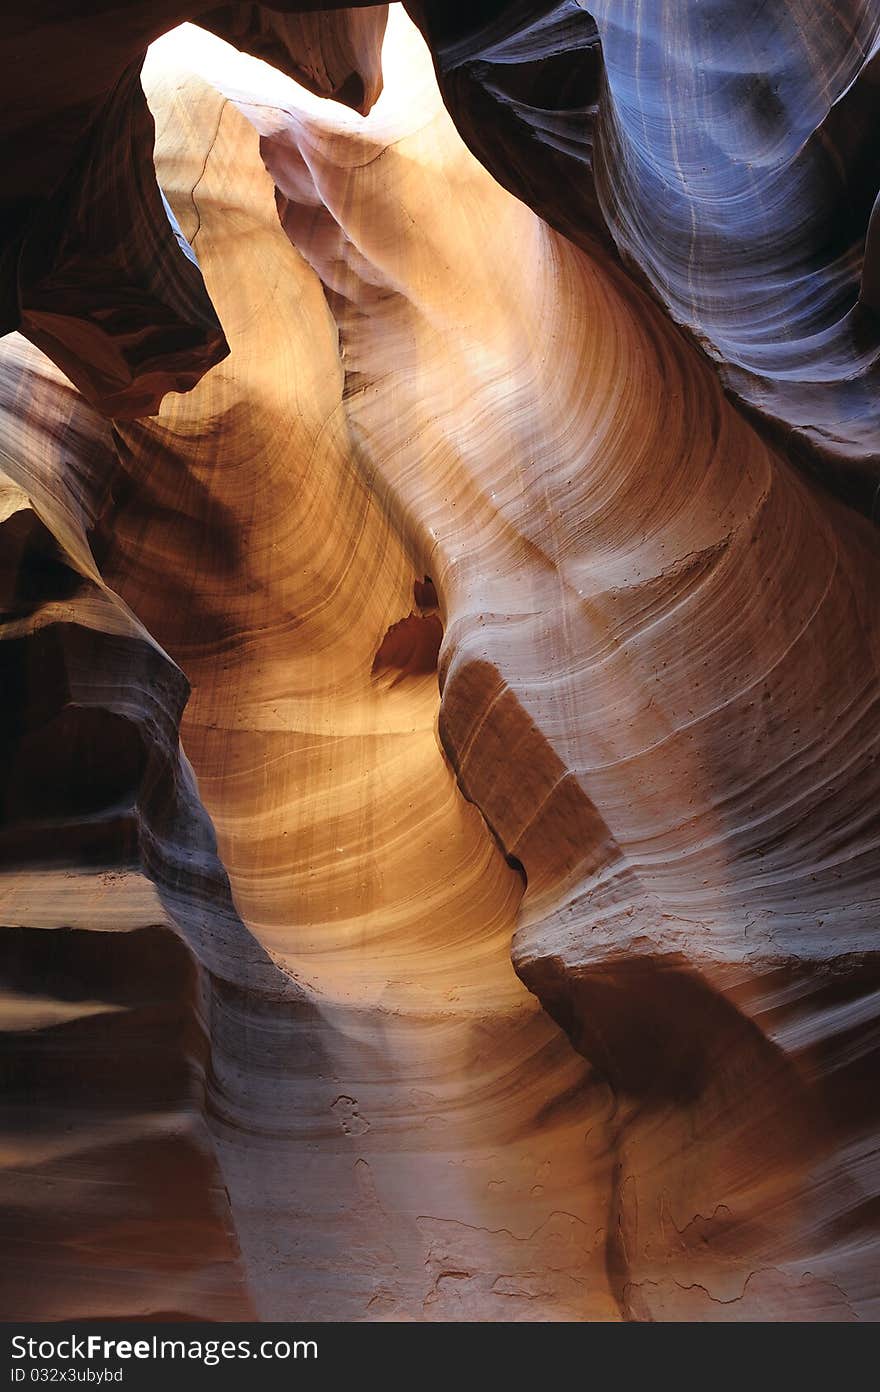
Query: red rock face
{"points": [[439, 740]]}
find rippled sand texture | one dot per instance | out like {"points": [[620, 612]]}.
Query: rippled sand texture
{"points": [[651, 777]]}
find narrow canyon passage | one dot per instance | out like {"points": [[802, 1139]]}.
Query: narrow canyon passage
{"points": [[638, 677], [443, 757], [423, 1142]]}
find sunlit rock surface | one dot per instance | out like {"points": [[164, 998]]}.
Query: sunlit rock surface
{"points": [[92, 266], [727, 153], [548, 994]]}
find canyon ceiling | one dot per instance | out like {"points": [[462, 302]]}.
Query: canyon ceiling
{"points": [[439, 458]]}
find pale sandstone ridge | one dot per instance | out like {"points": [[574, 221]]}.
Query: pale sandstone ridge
{"points": [[651, 774], [93, 269]]}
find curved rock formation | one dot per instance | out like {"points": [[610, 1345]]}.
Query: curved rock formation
{"points": [[447, 441], [112, 1200], [727, 152], [639, 680], [93, 268], [333, 52]]}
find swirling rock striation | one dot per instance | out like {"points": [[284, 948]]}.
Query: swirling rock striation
{"points": [[448, 441], [639, 681], [111, 1198], [727, 151]]}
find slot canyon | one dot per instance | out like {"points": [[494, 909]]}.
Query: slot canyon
{"points": [[439, 793]]}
